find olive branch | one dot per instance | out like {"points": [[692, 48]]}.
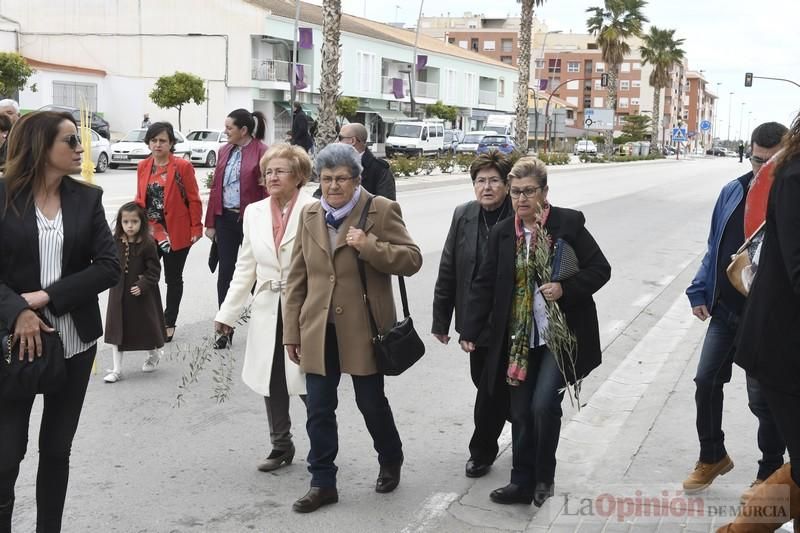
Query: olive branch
{"points": [[199, 356], [560, 339]]}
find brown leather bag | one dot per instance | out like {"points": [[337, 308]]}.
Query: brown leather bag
{"points": [[741, 262]]}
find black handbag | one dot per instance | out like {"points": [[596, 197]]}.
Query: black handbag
{"points": [[213, 256], [23, 379], [399, 348]]}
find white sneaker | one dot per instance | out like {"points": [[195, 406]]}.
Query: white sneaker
{"points": [[151, 362], [113, 377]]}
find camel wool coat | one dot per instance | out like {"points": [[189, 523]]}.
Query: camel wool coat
{"points": [[321, 280], [261, 264]]}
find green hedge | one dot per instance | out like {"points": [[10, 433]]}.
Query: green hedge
{"points": [[554, 158]]}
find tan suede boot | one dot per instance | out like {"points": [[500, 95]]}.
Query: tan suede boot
{"points": [[763, 497]]}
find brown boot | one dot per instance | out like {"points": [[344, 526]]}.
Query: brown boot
{"points": [[705, 473], [765, 497]]}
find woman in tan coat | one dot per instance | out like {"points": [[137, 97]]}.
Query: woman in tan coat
{"points": [[326, 326]]}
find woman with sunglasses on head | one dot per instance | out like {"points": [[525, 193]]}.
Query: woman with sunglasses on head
{"points": [[237, 184], [58, 255], [167, 190], [508, 287]]}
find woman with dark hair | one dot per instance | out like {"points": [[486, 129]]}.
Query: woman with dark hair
{"points": [[768, 340], [463, 252], [236, 185], [509, 288], [167, 190], [58, 255]]}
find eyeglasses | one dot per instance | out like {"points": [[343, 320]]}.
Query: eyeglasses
{"points": [[343, 137], [493, 182], [527, 192], [338, 180], [758, 160], [73, 141], [279, 172]]}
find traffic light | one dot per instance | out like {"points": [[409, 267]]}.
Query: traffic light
{"points": [[604, 80], [748, 79]]}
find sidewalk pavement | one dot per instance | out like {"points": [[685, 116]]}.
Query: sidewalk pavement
{"points": [[623, 457]]}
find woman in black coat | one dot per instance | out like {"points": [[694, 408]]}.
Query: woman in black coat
{"points": [[508, 288], [57, 256], [768, 344]]}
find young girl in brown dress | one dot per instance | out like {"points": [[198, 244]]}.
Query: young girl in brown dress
{"points": [[135, 318]]}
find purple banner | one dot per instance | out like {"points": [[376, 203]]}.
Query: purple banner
{"points": [[421, 62], [397, 88], [299, 77], [542, 85], [306, 38]]}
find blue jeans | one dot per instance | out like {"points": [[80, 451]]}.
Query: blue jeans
{"points": [[321, 403], [713, 371], [536, 420]]}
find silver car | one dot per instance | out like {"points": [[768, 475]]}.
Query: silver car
{"points": [[469, 144]]}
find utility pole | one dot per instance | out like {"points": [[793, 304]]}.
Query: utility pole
{"points": [[293, 73], [413, 77], [741, 115], [730, 101]]}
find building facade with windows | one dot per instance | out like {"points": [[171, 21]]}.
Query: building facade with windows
{"points": [[242, 49], [701, 106]]}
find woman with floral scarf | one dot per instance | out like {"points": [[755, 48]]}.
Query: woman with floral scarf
{"points": [[544, 334]]}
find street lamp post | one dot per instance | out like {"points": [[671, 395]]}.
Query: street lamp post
{"points": [[714, 131], [293, 73], [412, 77], [749, 116], [741, 116], [730, 101], [535, 119], [541, 54]]}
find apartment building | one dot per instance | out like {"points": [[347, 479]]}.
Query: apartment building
{"points": [[701, 106], [242, 49]]}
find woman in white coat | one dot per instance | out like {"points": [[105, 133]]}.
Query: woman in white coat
{"points": [[270, 226]]}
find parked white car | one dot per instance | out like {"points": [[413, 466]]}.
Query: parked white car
{"points": [[469, 144], [100, 150], [132, 148], [205, 146], [585, 147]]}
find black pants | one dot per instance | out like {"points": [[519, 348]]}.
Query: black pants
{"points": [[784, 409], [229, 238], [174, 262], [321, 404], [536, 420], [60, 418], [491, 411]]}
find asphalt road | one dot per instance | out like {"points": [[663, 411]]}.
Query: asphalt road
{"points": [[141, 464]]}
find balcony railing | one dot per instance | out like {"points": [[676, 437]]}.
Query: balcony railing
{"points": [[423, 89], [276, 70], [487, 97]]}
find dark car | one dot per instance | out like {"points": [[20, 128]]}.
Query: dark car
{"points": [[99, 124], [503, 143], [717, 150]]}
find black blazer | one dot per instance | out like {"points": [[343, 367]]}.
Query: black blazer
{"points": [[90, 264], [768, 344], [377, 177], [493, 289], [457, 268], [300, 134]]}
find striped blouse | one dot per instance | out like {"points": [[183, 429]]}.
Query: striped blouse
{"points": [[51, 251]]}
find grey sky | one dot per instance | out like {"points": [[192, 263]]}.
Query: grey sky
{"points": [[725, 38]]}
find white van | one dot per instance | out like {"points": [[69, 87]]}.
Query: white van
{"points": [[418, 138], [501, 124]]}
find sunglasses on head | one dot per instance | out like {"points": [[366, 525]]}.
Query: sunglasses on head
{"points": [[72, 140]]}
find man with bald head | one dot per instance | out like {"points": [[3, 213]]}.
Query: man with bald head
{"points": [[377, 177]]}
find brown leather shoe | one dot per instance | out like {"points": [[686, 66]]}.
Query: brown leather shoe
{"points": [[762, 504], [705, 473], [315, 498], [388, 478], [749, 491], [277, 459]]}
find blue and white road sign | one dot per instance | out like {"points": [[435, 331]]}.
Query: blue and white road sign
{"points": [[679, 135], [705, 125]]}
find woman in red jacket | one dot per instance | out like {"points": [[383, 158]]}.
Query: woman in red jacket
{"points": [[237, 184], [167, 190]]}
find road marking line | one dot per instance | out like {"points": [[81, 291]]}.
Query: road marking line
{"points": [[643, 300], [666, 280], [430, 510]]}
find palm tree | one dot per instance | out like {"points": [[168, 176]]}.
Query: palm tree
{"points": [[661, 50], [524, 64], [329, 82], [612, 24]]}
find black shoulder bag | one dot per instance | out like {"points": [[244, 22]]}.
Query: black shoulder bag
{"points": [[399, 348], [43, 375]]}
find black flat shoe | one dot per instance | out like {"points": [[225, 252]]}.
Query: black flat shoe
{"points": [[510, 494], [277, 459], [542, 492], [476, 469], [168, 336], [388, 478], [223, 341], [315, 498]]}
